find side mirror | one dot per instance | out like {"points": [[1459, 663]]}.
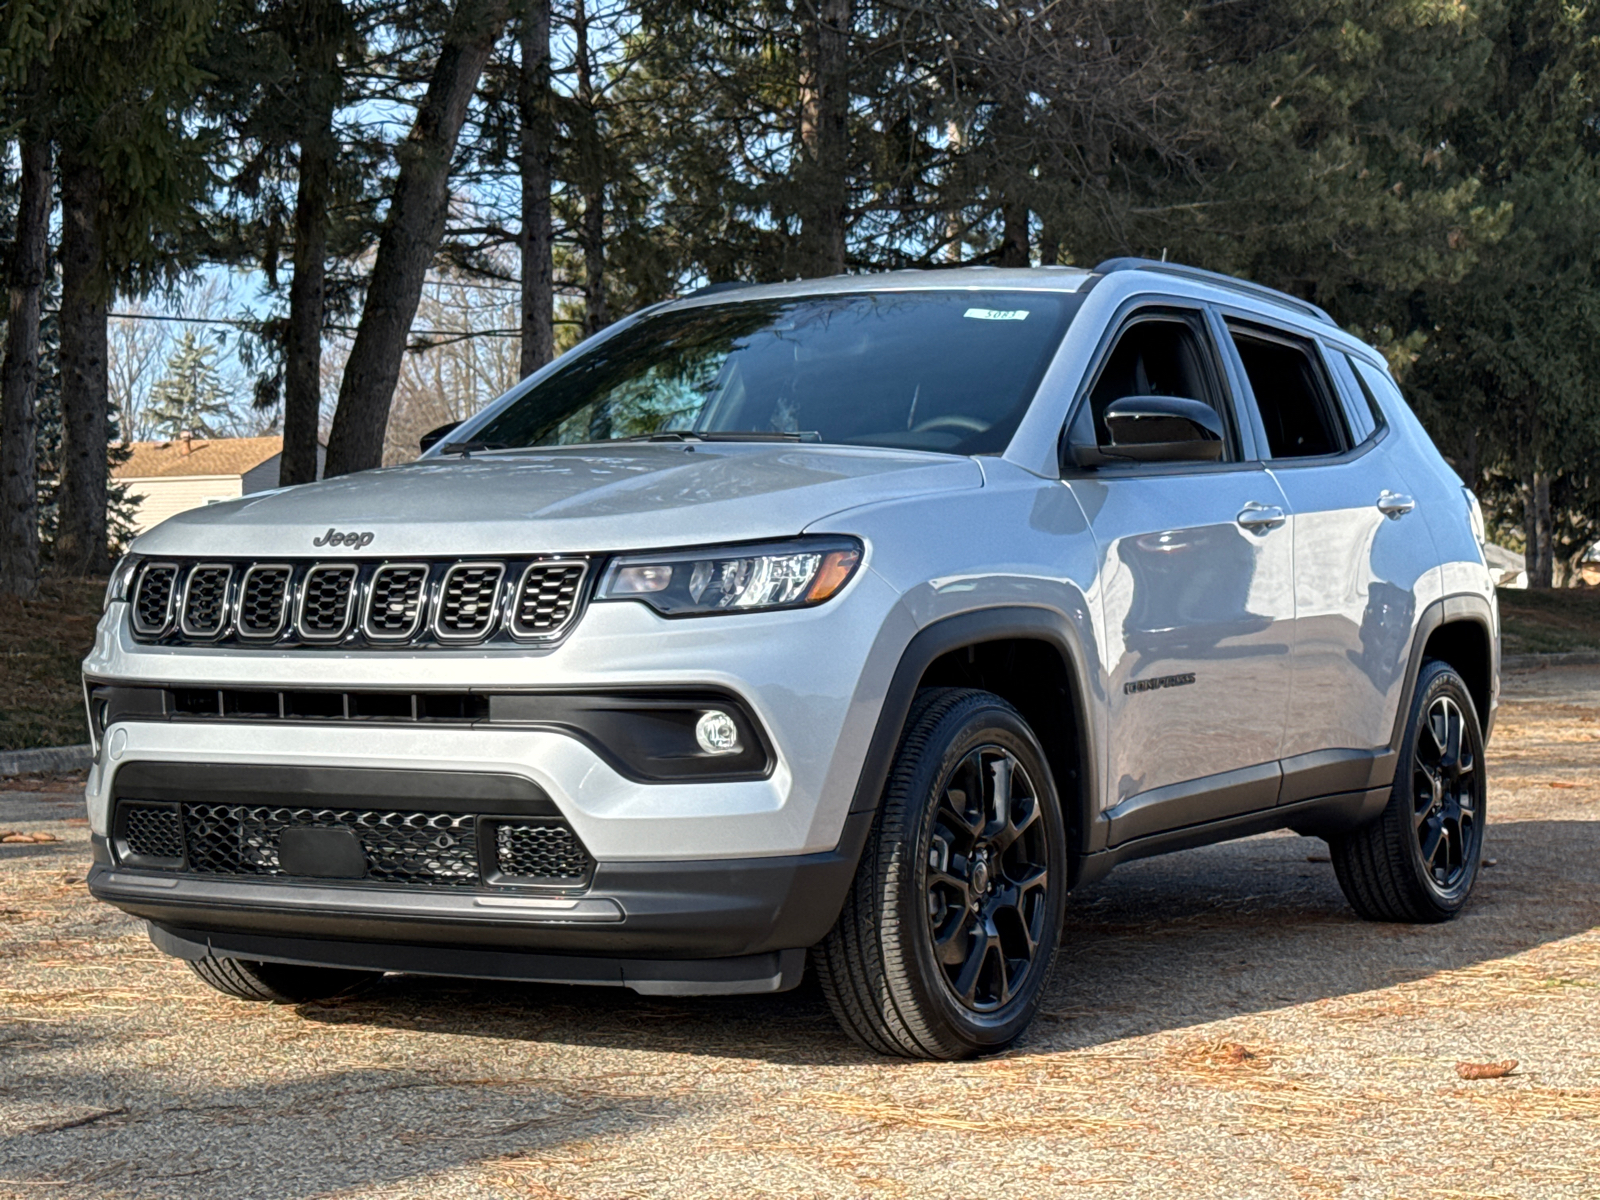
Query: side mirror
{"points": [[434, 436], [1163, 429]]}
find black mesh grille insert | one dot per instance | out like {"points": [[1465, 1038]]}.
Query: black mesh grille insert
{"points": [[467, 600], [540, 852], [418, 848], [325, 601], [546, 599], [152, 606], [152, 831], [395, 609], [205, 600], [263, 596]]}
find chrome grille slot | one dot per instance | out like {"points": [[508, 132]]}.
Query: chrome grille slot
{"points": [[468, 599], [152, 602], [205, 600], [394, 603], [547, 598], [264, 600], [327, 601]]}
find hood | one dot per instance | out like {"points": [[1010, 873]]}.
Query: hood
{"points": [[564, 501]]}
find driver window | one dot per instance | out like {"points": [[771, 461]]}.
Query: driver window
{"points": [[1157, 356]]}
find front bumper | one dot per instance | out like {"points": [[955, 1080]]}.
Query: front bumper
{"points": [[632, 914]]}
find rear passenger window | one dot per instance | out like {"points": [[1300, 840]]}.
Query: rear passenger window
{"points": [[1165, 355], [1293, 394]]}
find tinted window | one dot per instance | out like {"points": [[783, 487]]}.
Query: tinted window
{"points": [[1374, 410], [1155, 356], [1292, 394], [950, 371]]}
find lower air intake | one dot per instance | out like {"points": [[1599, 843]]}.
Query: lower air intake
{"points": [[430, 849], [540, 854]]}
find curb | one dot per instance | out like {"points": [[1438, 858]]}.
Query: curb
{"points": [[55, 758], [1534, 662]]}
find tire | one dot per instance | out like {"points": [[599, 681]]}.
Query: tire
{"points": [[280, 983], [952, 924], [1418, 860]]}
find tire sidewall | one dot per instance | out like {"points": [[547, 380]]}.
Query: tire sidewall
{"points": [[1439, 679], [987, 721]]}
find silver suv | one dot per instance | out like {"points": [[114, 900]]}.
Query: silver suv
{"points": [[853, 621]]}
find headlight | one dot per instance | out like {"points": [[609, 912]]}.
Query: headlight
{"points": [[729, 579], [1475, 515], [121, 580]]}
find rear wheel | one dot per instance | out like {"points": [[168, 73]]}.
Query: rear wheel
{"points": [[953, 921], [280, 983], [1417, 862]]}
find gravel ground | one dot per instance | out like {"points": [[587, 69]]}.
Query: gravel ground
{"points": [[1221, 1025]]}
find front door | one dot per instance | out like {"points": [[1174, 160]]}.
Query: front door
{"points": [[1197, 601]]}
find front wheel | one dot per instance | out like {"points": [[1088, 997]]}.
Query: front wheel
{"points": [[1417, 862], [953, 921]]}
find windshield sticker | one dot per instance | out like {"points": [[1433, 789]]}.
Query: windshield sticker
{"points": [[997, 314]]}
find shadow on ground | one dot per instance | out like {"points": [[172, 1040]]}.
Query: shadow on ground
{"points": [[1162, 944]]}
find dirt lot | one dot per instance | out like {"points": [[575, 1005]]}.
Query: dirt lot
{"points": [[1222, 1026]]}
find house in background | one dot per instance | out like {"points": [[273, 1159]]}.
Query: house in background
{"points": [[187, 472]]}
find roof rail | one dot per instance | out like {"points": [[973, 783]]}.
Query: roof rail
{"points": [[1199, 275], [711, 289]]}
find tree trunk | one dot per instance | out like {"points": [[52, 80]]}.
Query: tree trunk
{"points": [[592, 228], [1049, 247], [80, 548], [1541, 568], [537, 139], [19, 378], [302, 368], [411, 234], [824, 133], [1014, 238]]}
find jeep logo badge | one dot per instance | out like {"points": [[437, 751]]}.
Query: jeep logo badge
{"points": [[356, 541]]}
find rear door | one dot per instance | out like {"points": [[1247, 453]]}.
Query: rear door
{"points": [[1195, 591], [1359, 552]]}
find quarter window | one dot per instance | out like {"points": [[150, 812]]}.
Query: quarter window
{"points": [[1293, 394]]}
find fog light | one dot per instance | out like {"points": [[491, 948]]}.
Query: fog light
{"points": [[716, 733]]}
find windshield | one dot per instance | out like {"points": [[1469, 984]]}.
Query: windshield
{"points": [[951, 371]]}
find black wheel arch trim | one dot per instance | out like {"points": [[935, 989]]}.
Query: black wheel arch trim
{"points": [[1461, 607], [956, 632]]}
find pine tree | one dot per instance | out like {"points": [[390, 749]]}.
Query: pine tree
{"points": [[190, 396]]}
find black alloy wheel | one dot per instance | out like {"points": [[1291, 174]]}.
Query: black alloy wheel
{"points": [[947, 938], [1418, 860], [1444, 799], [988, 877]]}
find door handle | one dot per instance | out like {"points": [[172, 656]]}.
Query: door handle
{"points": [[1394, 505], [1260, 516]]}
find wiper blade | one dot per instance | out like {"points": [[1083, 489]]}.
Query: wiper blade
{"points": [[729, 435], [465, 449]]}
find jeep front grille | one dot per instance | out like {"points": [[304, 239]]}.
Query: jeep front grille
{"points": [[152, 602], [205, 600], [547, 597], [351, 604], [402, 848], [326, 601], [394, 609], [264, 600], [469, 600]]}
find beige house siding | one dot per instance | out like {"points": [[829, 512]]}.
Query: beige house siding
{"points": [[166, 497]]}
